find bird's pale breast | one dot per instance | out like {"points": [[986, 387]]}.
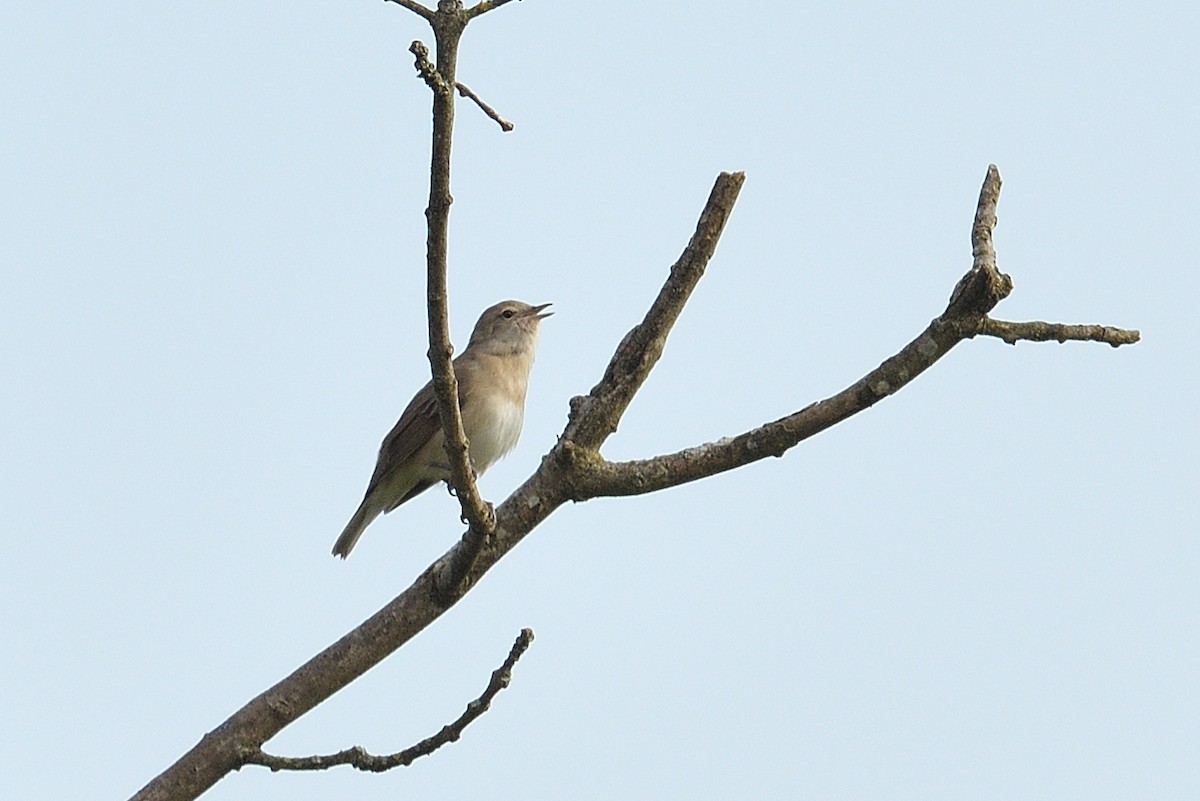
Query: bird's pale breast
{"points": [[493, 425]]}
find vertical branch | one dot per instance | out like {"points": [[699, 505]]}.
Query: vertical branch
{"points": [[978, 292], [448, 23]]}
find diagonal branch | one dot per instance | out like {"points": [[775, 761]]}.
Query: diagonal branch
{"points": [[415, 7], [484, 7], [226, 748], [465, 91], [359, 758], [573, 469], [600, 478], [594, 417], [597, 477]]}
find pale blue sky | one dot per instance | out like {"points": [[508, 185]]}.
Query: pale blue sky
{"points": [[211, 236]]}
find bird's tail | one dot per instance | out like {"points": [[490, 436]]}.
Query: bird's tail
{"points": [[354, 529]]}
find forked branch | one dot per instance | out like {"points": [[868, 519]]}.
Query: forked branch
{"points": [[575, 470], [966, 316]]}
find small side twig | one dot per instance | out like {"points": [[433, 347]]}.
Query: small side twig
{"points": [[414, 7], [425, 68], [358, 757], [1037, 331], [470, 13], [464, 91], [484, 7], [428, 73]]}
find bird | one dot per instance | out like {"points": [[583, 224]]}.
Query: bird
{"points": [[493, 375]]}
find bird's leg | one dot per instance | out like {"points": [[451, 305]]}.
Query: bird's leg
{"points": [[491, 514]]}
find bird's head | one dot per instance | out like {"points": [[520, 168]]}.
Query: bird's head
{"points": [[509, 326]]}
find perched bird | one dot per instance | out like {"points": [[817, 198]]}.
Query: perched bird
{"points": [[492, 373]]}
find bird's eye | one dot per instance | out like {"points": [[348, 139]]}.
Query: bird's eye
{"points": [[507, 313]]}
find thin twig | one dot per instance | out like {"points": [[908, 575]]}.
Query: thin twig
{"points": [[1036, 331], [358, 757], [428, 72], [504, 124], [484, 7], [448, 25], [415, 7]]}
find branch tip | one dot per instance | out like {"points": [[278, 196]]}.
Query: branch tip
{"points": [[358, 757], [415, 7], [464, 91], [426, 71], [484, 7], [596, 416], [1037, 331]]}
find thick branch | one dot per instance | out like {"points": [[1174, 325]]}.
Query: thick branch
{"points": [[358, 757], [597, 477], [594, 417]]}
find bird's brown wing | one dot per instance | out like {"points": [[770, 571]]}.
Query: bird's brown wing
{"points": [[416, 425]]}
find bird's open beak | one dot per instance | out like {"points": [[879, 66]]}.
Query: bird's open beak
{"points": [[534, 311]]}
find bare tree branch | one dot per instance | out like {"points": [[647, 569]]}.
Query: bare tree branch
{"points": [[984, 285], [425, 69], [595, 416], [484, 7], [965, 317], [597, 477], [448, 25], [574, 469], [600, 478], [358, 757], [227, 747], [415, 7], [1036, 331], [504, 124]]}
